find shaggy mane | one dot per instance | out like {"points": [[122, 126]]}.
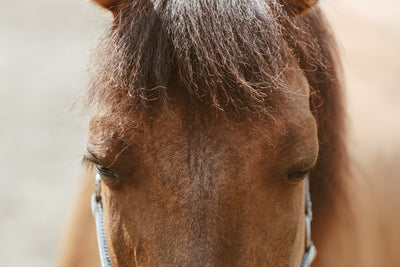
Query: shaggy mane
{"points": [[230, 56]]}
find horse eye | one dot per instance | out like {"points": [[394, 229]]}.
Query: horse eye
{"points": [[107, 173], [297, 176]]}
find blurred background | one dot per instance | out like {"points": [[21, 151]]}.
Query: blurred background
{"points": [[45, 46]]}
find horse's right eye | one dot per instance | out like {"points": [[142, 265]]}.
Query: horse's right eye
{"points": [[297, 176], [106, 172]]}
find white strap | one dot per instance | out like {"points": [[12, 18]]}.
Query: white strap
{"points": [[310, 251], [309, 256], [97, 211]]}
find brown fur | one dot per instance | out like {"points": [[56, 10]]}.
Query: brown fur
{"points": [[298, 7], [109, 4], [201, 74], [136, 65]]}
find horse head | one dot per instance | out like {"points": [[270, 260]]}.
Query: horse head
{"points": [[206, 130]]}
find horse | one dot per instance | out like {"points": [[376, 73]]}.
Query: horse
{"points": [[214, 119]]}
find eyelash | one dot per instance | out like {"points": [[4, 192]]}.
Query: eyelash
{"points": [[89, 162], [105, 172], [298, 176]]}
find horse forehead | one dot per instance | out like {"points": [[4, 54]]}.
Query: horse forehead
{"points": [[170, 135], [209, 130], [169, 129]]}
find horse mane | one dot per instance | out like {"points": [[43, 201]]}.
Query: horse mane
{"points": [[320, 61], [231, 56]]}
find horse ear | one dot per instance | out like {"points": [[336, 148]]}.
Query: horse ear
{"points": [[298, 7], [108, 4]]}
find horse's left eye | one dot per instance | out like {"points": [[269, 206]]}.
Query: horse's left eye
{"points": [[297, 176], [107, 173]]}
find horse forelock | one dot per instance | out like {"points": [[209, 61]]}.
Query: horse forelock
{"points": [[229, 55]]}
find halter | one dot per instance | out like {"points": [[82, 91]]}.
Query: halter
{"points": [[97, 209], [310, 251]]}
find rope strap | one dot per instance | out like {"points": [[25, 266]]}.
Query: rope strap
{"points": [[310, 251], [97, 211]]}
